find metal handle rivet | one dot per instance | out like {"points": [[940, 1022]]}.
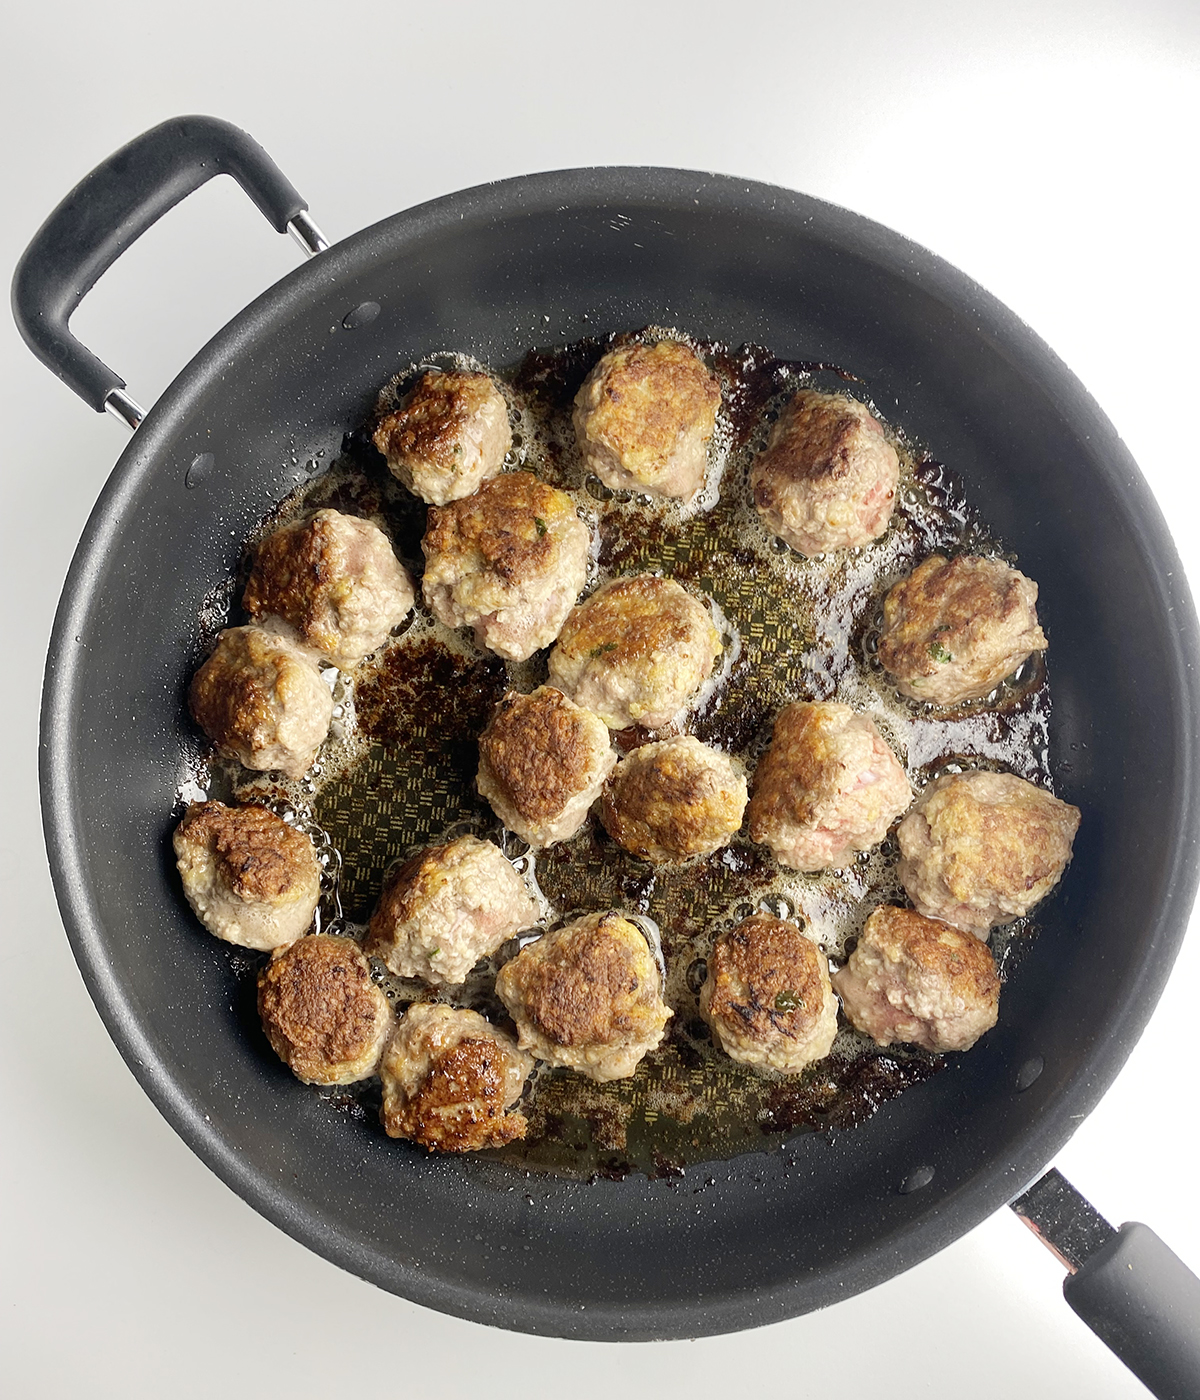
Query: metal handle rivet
{"points": [[199, 470], [1029, 1071], [361, 315], [916, 1180]]}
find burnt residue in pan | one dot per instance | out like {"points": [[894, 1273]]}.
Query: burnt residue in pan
{"points": [[792, 628]]}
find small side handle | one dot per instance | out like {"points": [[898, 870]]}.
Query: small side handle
{"points": [[115, 205]]}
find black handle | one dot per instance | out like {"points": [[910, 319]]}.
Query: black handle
{"points": [[1143, 1301], [112, 207]]}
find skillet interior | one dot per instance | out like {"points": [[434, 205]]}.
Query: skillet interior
{"points": [[541, 261]]}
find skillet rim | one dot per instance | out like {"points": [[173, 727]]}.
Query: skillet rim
{"points": [[997, 1182]]}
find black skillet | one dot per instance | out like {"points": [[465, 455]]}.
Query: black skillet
{"points": [[542, 260]]}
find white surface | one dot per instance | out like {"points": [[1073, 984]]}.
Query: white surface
{"points": [[1048, 149]]}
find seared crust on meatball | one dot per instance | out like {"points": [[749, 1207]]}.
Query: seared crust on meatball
{"points": [[953, 629], [448, 436], [250, 877], [587, 996], [767, 996], [827, 477], [449, 1078], [542, 762], [635, 651], [919, 981], [325, 1018], [827, 787], [334, 579], [675, 799], [983, 848], [260, 698], [447, 907], [508, 561], [644, 417]]}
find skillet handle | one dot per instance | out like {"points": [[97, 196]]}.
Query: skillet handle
{"points": [[1138, 1296], [112, 207]]}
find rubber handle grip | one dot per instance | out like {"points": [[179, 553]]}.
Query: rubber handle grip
{"points": [[1143, 1302], [112, 207]]}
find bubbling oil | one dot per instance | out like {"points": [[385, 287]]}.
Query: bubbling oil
{"points": [[398, 770]]}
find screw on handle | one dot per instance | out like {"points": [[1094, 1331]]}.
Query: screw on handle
{"points": [[1137, 1295], [112, 207]]}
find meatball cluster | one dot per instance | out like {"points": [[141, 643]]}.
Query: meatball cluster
{"points": [[508, 561], [827, 788], [636, 651], [644, 418]]}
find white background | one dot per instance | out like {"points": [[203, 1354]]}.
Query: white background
{"points": [[1048, 149]]}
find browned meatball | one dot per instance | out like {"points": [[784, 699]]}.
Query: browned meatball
{"points": [[508, 561], [919, 981], [587, 996], [446, 908], [542, 762], [953, 629], [448, 436], [644, 417], [982, 848], [826, 788], [827, 477], [636, 651], [449, 1078], [260, 698], [767, 996], [325, 1018], [250, 877], [334, 579], [672, 800]]}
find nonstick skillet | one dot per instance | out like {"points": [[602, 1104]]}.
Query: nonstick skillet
{"points": [[548, 259]]}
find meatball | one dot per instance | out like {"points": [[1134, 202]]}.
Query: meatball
{"points": [[919, 981], [542, 762], [324, 1016], [446, 908], [448, 436], [827, 787], [449, 1078], [508, 561], [767, 996], [644, 417], [672, 800], [250, 878], [334, 579], [587, 996], [636, 651], [827, 477], [260, 698], [982, 848], [953, 629]]}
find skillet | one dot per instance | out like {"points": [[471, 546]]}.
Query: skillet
{"points": [[543, 260]]}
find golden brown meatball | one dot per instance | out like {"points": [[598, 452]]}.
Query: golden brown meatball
{"points": [[260, 698], [449, 1078], [982, 848], [334, 579], [919, 981], [250, 877], [953, 629], [827, 477], [827, 787], [636, 651], [542, 762], [587, 996], [644, 417], [448, 436], [325, 1018], [767, 996], [446, 908], [508, 561], [672, 800]]}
